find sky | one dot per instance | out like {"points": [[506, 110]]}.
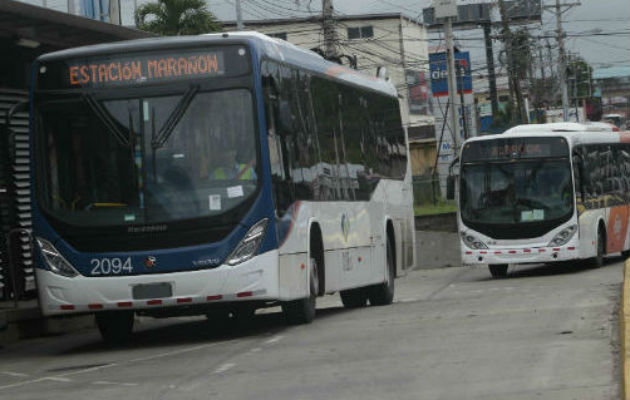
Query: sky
{"points": [[601, 17], [600, 51]]}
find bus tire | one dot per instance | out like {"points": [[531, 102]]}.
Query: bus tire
{"points": [[354, 298], [302, 311], [598, 260], [498, 270], [115, 326], [383, 293]]}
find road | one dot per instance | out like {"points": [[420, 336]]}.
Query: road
{"points": [[453, 333]]}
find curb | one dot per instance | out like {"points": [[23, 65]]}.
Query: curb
{"points": [[624, 337]]}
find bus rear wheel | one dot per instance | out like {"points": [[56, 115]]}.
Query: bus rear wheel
{"points": [[498, 270], [383, 294], [115, 326], [302, 311]]}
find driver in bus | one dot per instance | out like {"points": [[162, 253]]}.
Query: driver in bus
{"points": [[230, 169]]}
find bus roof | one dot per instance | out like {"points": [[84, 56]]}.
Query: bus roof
{"points": [[266, 47], [575, 133]]}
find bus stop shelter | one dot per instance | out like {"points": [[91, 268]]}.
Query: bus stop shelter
{"points": [[27, 31]]}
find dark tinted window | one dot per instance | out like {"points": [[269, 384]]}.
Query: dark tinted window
{"points": [[367, 31], [329, 141], [354, 33]]}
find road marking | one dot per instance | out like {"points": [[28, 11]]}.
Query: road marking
{"points": [[255, 350], [104, 383], [17, 374], [225, 367], [61, 377], [274, 339], [56, 379]]}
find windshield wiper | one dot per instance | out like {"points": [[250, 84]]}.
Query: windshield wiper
{"points": [[106, 119], [174, 118]]}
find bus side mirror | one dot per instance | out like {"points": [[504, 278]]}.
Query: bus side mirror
{"points": [[450, 187]]}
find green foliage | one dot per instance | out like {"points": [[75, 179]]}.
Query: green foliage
{"points": [[579, 69], [176, 17]]}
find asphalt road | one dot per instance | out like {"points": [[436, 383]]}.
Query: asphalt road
{"points": [[453, 333]]}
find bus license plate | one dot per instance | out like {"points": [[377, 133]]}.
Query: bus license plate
{"points": [[152, 291]]}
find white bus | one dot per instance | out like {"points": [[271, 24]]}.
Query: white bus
{"points": [[544, 193], [214, 175]]}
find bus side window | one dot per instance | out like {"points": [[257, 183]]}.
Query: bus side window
{"points": [[578, 172], [280, 160]]}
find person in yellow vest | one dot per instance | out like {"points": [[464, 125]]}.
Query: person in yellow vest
{"points": [[230, 169]]}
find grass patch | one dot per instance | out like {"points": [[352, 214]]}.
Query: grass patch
{"points": [[433, 209]]}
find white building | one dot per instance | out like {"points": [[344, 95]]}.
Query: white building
{"points": [[393, 41]]}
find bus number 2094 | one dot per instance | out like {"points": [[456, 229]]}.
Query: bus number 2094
{"points": [[111, 266]]}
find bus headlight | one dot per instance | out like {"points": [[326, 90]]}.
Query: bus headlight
{"points": [[55, 261], [472, 242], [249, 245], [563, 236]]}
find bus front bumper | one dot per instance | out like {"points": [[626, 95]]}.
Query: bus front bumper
{"points": [[520, 255], [252, 280]]}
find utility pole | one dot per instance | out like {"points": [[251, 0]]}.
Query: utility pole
{"points": [[460, 78], [563, 61], [512, 76], [563, 64], [329, 29], [239, 16], [114, 12], [71, 9], [492, 78], [452, 83]]}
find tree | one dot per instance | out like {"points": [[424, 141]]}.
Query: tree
{"points": [[176, 17], [580, 77]]}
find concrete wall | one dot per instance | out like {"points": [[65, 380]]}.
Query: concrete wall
{"points": [[437, 250], [437, 241]]}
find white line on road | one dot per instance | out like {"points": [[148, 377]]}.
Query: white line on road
{"points": [[225, 367], [56, 379], [17, 374], [274, 339], [255, 350]]}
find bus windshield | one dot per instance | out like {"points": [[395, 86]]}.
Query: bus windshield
{"points": [[145, 160], [516, 192]]}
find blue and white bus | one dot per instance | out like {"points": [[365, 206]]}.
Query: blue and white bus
{"points": [[214, 175]]}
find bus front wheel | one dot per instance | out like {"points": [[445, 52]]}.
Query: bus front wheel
{"points": [[115, 326], [598, 260], [498, 270], [302, 311]]}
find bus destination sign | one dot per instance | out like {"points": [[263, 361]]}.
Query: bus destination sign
{"points": [[145, 69], [139, 68], [501, 149]]}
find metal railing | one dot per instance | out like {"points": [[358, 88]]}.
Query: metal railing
{"points": [[15, 274]]}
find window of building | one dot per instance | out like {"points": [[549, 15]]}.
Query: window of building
{"points": [[279, 35], [361, 32]]}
